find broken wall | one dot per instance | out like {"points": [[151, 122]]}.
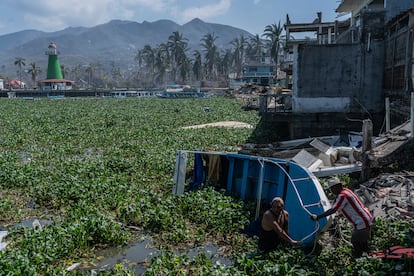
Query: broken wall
{"points": [[338, 78]]}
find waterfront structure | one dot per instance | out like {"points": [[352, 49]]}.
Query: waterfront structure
{"points": [[259, 71], [54, 78]]}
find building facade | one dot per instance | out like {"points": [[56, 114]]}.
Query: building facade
{"points": [[349, 67]]}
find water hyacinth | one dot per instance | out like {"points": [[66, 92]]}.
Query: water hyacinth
{"points": [[101, 168]]}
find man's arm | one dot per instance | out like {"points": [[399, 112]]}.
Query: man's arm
{"points": [[282, 233], [325, 214]]}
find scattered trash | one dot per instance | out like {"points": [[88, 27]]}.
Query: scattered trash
{"points": [[73, 267], [389, 195]]}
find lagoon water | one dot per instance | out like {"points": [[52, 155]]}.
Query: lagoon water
{"points": [[29, 223], [3, 244], [139, 254]]}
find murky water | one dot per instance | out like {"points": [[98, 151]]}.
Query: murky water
{"points": [[139, 254], [136, 256], [28, 223], [211, 251], [2, 244], [33, 223]]}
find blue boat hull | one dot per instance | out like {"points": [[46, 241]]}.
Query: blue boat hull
{"points": [[259, 179]]}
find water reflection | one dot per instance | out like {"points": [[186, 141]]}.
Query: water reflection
{"points": [[138, 255], [27, 223], [3, 244], [211, 251]]}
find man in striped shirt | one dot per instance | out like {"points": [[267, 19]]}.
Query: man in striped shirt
{"points": [[354, 210]]}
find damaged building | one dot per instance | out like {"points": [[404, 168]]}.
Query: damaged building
{"points": [[344, 73]]}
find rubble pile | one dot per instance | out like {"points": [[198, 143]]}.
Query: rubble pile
{"points": [[312, 155], [252, 88], [389, 195]]}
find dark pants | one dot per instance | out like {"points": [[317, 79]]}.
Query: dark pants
{"points": [[269, 240], [360, 240]]}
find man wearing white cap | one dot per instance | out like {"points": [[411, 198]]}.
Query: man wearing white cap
{"points": [[354, 210]]}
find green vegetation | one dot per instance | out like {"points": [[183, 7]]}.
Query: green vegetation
{"points": [[96, 166]]}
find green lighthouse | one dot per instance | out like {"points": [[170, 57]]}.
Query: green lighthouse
{"points": [[53, 66], [54, 78]]}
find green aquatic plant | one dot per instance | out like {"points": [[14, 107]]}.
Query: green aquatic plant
{"points": [[102, 168]]}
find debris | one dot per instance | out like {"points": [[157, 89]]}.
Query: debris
{"points": [[389, 195], [73, 267]]}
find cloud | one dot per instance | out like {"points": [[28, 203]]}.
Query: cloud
{"points": [[256, 2], [47, 15], [207, 11], [157, 5], [54, 15]]}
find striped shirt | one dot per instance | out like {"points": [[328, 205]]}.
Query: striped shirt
{"points": [[351, 206]]}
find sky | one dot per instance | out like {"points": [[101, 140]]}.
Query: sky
{"points": [[250, 15]]}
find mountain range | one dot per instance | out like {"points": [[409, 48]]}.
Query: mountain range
{"points": [[115, 42]]}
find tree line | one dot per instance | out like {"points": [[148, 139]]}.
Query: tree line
{"points": [[173, 62]]}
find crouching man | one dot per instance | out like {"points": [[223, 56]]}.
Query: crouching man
{"points": [[275, 225]]}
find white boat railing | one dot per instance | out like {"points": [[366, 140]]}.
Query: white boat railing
{"points": [[292, 181]]}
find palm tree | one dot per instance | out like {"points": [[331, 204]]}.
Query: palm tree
{"points": [[273, 34], [238, 55], [255, 48], [148, 57], [115, 73], [76, 72], [90, 70], [197, 65], [139, 57], [210, 53], [34, 72], [177, 46], [225, 63], [161, 62], [64, 71], [20, 62], [185, 68]]}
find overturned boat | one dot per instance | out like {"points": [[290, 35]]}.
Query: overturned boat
{"points": [[258, 179]]}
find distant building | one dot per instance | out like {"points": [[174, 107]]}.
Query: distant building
{"points": [[261, 73]]}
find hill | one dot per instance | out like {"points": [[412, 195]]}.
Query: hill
{"points": [[113, 43]]}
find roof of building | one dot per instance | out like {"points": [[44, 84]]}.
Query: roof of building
{"points": [[56, 80]]}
